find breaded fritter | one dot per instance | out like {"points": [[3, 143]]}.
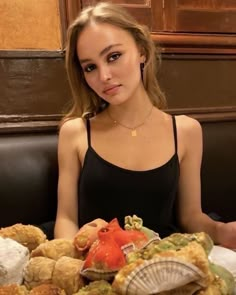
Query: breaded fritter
{"points": [[27, 235]]}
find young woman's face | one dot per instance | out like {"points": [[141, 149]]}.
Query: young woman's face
{"points": [[110, 60]]}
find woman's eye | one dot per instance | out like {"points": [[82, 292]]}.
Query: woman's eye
{"points": [[114, 56], [89, 68]]}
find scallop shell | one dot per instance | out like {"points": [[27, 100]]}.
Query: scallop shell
{"points": [[160, 274], [188, 289]]}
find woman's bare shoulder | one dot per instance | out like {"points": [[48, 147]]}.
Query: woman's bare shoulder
{"points": [[189, 134], [72, 127], [73, 137], [188, 125]]}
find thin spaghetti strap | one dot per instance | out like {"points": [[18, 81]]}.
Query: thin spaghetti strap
{"points": [[175, 134], [88, 132]]}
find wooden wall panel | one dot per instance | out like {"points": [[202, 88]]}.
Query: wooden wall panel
{"points": [[195, 26], [33, 86], [201, 16], [199, 81], [201, 86], [166, 17], [30, 24], [34, 89], [206, 4]]}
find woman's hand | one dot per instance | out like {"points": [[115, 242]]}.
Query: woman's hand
{"points": [[226, 233]]}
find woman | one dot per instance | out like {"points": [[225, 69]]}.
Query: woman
{"points": [[119, 152]]}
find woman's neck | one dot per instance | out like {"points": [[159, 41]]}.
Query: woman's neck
{"points": [[131, 113]]}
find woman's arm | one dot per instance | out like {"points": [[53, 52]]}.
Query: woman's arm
{"points": [[190, 216], [69, 169]]}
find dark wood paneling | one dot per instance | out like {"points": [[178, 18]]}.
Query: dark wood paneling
{"points": [[195, 26], [210, 22], [34, 88], [199, 81], [194, 43], [73, 7], [33, 84], [204, 16], [64, 21], [161, 16], [206, 4]]}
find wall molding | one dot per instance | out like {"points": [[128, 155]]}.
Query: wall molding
{"points": [[196, 43], [50, 123], [31, 54], [211, 114], [29, 123]]}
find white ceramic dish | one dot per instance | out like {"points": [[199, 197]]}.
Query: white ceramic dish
{"points": [[226, 258]]}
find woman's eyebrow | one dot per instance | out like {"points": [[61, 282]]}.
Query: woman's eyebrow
{"points": [[104, 51]]}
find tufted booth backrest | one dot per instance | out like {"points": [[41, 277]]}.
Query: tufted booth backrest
{"points": [[29, 175], [219, 169], [28, 178]]}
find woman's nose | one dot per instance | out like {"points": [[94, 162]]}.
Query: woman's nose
{"points": [[104, 73]]}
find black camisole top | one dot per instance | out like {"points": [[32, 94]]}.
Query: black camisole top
{"points": [[107, 191]]}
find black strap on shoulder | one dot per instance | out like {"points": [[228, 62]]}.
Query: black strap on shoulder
{"points": [[175, 133], [88, 131]]}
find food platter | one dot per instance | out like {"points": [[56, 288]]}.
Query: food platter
{"points": [[124, 261]]}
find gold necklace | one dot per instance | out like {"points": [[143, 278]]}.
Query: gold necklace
{"points": [[133, 129]]}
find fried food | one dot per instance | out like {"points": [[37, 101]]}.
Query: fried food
{"points": [[173, 242], [135, 222], [87, 234], [47, 289], [121, 276], [56, 248], [13, 289], [105, 254], [97, 288], [182, 239], [27, 235], [223, 280], [161, 274], [194, 254], [38, 271], [124, 237], [177, 241], [66, 274], [167, 270]]}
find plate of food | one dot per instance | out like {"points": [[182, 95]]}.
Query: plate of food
{"points": [[224, 257]]}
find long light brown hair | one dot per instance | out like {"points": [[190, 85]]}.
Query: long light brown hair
{"points": [[85, 100]]}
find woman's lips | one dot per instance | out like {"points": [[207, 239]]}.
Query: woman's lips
{"points": [[112, 89]]}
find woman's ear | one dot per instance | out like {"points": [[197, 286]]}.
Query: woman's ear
{"points": [[142, 57]]}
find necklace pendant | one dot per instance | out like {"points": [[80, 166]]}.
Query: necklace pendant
{"points": [[134, 132]]}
